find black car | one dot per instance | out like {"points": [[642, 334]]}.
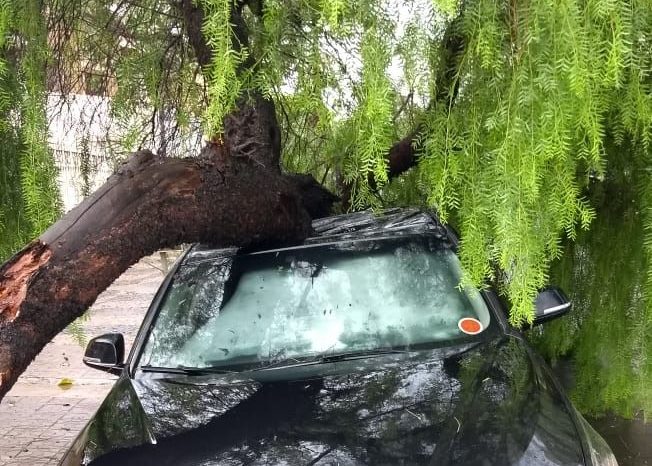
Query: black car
{"points": [[359, 346]]}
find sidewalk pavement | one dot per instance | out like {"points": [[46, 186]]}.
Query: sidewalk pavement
{"points": [[39, 418]]}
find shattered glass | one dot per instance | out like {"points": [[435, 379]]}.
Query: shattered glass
{"points": [[195, 296]]}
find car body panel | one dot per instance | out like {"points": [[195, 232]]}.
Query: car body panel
{"points": [[483, 403]]}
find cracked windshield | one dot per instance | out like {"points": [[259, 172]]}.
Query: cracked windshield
{"points": [[319, 301]]}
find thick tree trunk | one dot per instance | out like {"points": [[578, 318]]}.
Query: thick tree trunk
{"points": [[150, 203]]}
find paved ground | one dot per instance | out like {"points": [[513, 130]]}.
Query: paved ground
{"points": [[630, 440], [38, 418]]}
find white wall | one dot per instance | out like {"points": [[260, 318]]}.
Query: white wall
{"points": [[68, 125]]}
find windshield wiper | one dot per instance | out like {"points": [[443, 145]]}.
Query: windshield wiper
{"points": [[360, 354], [183, 370], [325, 359]]}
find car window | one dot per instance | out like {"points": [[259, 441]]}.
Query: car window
{"points": [[264, 308]]}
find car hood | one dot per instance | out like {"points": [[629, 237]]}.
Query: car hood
{"points": [[484, 403]]}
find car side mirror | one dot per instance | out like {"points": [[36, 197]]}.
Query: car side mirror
{"points": [[550, 303], [106, 353]]}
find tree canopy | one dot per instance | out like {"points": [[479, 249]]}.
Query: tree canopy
{"points": [[500, 113]]}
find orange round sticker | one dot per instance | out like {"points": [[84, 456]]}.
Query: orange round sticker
{"points": [[470, 326]]}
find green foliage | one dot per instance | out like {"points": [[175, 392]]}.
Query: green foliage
{"points": [[607, 335], [512, 124], [38, 171], [224, 84], [15, 228], [11, 235], [372, 119], [28, 194]]}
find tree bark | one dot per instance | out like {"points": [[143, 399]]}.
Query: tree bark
{"points": [[150, 203], [193, 18]]}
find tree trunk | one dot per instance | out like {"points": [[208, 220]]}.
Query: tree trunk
{"points": [[151, 203]]}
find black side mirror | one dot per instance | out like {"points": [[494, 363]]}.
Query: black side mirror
{"points": [[549, 304], [106, 353]]}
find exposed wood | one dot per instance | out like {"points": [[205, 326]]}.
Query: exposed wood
{"points": [[149, 204], [252, 134], [19, 272]]}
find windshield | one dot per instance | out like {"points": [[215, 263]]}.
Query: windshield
{"points": [[262, 309]]}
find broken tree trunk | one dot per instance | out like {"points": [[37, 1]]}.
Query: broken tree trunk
{"points": [[150, 203]]}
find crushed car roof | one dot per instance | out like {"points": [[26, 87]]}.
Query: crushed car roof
{"points": [[367, 223], [355, 226]]}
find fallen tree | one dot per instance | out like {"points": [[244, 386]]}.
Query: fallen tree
{"points": [[232, 194], [505, 146], [223, 197]]}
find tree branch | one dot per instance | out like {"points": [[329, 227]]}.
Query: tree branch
{"points": [[402, 155], [193, 18]]}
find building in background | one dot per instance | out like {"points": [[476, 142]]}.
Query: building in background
{"points": [[78, 128]]}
